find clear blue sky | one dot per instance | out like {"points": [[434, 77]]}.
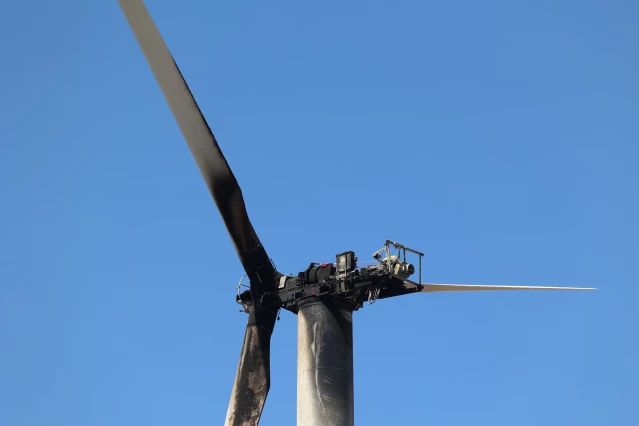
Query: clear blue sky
{"points": [[499, 137]]}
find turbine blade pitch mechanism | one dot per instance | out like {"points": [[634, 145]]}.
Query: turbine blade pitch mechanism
{"points": [[252, 380]]}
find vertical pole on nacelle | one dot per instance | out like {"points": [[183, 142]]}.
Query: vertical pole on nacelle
{"points": [[325, 364]]}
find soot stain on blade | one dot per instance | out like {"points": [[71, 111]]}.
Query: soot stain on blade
{"points": [[253, 378]]}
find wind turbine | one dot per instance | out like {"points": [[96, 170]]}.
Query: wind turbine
{"points": [[323, 296]]}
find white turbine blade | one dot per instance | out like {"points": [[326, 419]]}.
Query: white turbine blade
{"points": [[430, 287]]}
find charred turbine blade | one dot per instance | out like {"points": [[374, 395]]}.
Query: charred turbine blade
{"points": [[252, 380], [207, 154]]}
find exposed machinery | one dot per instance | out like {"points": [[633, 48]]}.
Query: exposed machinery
{"points": [[342, 280]]}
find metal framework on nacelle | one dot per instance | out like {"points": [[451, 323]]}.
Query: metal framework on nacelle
{"points": [[342, 280]]}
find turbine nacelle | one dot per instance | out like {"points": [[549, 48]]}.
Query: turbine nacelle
{"points": [[342, 279], [355, 285]]}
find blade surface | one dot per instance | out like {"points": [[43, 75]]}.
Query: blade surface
{"points": [[430, 287], [207, 154], [252, 379]]}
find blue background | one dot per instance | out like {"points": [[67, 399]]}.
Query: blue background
{"points": [[498, 137]]}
